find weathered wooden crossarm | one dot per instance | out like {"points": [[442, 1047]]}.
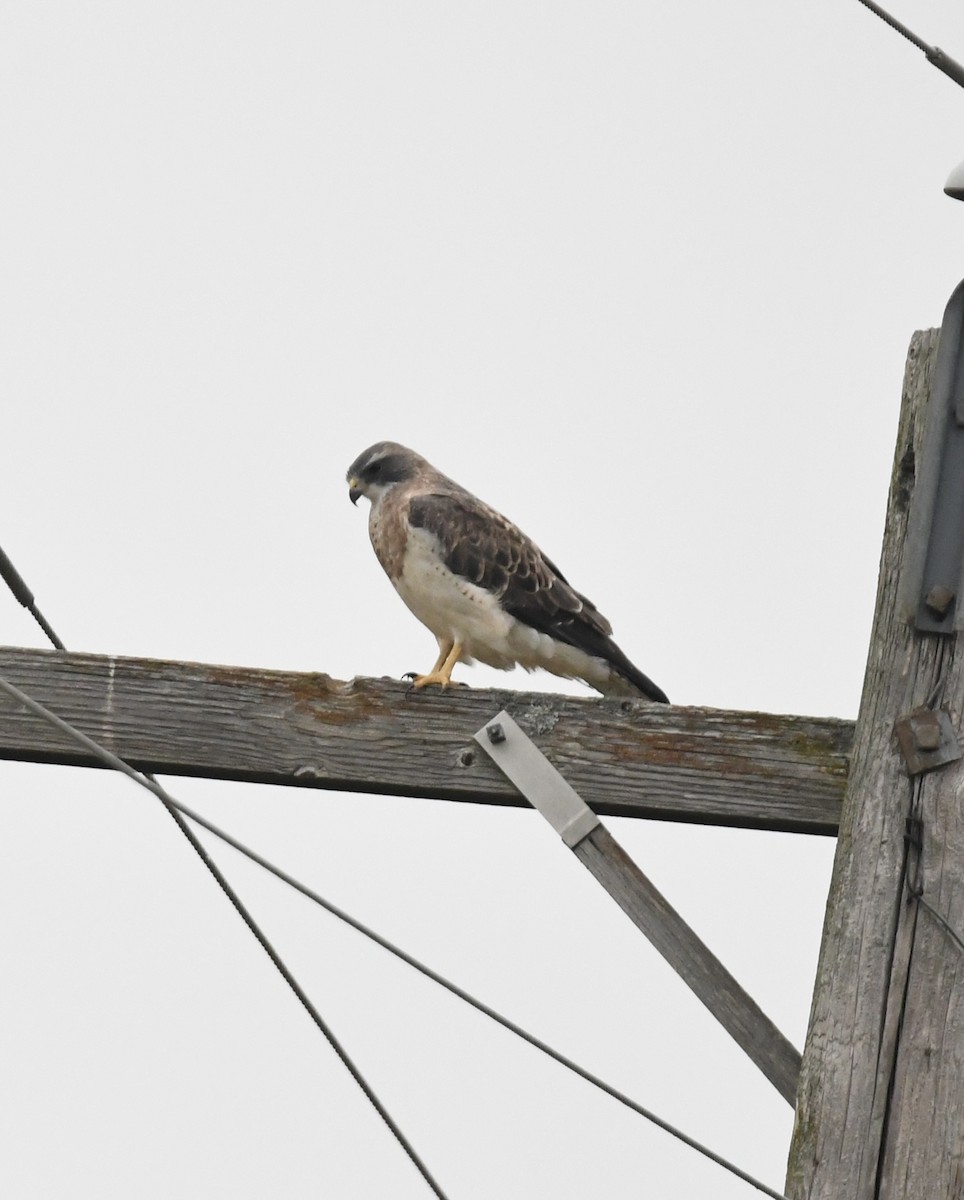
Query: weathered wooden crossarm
{"points": [[626, 758]]}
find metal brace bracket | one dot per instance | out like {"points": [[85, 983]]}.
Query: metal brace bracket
{"points": [[537, 779], [927, 739], [932, 580]]}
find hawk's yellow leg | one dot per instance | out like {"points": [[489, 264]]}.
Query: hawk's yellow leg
{"points": [[441, 673]]}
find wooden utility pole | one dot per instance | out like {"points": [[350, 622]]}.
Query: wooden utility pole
{"points": [[880, 1110]]}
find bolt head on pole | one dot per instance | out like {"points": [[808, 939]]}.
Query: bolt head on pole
{"points": [[955, 183]]}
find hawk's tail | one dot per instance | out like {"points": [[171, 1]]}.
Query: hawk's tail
{"points": [[625, 678], [592, 638], [626, 672]]}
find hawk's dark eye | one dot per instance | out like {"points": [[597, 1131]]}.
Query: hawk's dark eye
{"points": [[387, 469]]}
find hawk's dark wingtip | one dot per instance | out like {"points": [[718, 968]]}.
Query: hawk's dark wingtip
{"points": [[631, 673], [649, 689]]}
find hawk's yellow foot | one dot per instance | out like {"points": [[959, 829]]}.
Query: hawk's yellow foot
{"points": [[441, 673]]}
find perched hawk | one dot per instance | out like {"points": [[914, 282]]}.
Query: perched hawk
{"points": [[480, 585]]}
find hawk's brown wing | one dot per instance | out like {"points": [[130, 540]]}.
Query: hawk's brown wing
{"points": [[480, 545]]}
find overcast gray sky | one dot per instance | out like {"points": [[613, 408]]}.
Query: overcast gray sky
{"points": [[642, 276]]}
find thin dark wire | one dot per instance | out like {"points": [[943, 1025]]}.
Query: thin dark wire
{"points": [[172, 807], [948, 929], [477, 1004], [895, 24], [24, 595], [914, 839], [934, 54], [302, 996], [915, 832], [14, 581], [176, 808]]}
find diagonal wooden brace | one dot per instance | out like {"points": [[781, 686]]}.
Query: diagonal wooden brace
{"points": [[536, 778]]}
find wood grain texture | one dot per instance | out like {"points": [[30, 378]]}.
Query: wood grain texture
{"points": [[696, 965], [879, 1112], [626, 758]]}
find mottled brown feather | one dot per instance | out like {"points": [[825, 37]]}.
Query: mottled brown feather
{"points": [[481, 545]]}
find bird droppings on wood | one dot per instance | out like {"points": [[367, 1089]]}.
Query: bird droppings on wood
{"points": [[308, 774], [538, 719]]}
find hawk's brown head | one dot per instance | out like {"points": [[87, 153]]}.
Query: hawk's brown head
{"points": [[380, 466]]}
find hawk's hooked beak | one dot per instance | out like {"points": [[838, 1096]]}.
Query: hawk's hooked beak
{"points": [[354, 491]]}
